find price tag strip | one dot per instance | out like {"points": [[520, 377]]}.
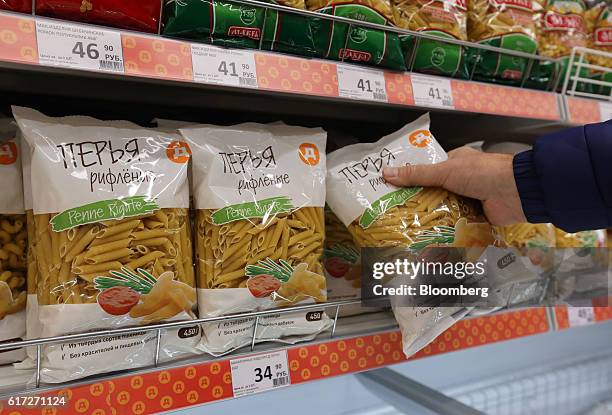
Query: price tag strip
{"points": [[605, 111], [259, 373], [580, 316], [361, 83], [431, 91], [79, 46], [215, 65]]}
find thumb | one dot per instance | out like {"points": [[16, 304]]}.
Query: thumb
{"points": [[429, 175]]}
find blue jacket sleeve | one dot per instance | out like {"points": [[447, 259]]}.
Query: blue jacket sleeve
{"points": [[567, 178]]}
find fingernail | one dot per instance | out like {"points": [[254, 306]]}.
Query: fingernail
{"points": [[390, 172]]}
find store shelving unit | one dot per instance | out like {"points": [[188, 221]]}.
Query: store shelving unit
{"points": [[146, 72]]}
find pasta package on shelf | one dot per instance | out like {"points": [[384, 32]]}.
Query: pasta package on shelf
{"points": [[22, 6], [142, 15], [442, 18], [507, 24], [352, 43], [379, 214], [599, 25], [241, 25], [560, 26], [259, 195], [112, 241], [13, 245]]}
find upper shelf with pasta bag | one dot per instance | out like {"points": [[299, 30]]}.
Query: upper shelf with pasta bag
{"points": [[112, 238], [259, 193], [378, 213]]}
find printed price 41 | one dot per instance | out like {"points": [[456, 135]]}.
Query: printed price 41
{"points": [[360, 83]]}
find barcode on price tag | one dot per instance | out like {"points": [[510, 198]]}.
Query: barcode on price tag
{"points": [[223, 66], [361, 83], [81, 47], [605, 111], [432, 92], [254, 374], [580, 316]]}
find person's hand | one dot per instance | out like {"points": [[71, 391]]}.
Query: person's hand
{"points": [[468, 172]]}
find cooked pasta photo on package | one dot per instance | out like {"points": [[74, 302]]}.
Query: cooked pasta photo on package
{"points": [[354, 43], [112, 241], [442, 18], [259, 230], [13, 244], [507, 24], [379, 214]]}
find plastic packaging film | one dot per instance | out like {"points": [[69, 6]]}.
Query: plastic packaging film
{"points": [[115, 249], [259, 229], [13, 243], [22, 6], [379, 214]]}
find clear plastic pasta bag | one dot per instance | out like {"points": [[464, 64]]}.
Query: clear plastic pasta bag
{"points": [[13, 244], [379, 214], [259, 230], [112, 241]]}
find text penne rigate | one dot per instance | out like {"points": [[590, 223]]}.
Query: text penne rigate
{"points": [[259, 193], [379, 214], [112, 240], [13, 244]]}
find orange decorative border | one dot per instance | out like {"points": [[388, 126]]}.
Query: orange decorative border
{"points": [[157, 57], [399, 88], [18, 39], [582, 111], [176, 388]]}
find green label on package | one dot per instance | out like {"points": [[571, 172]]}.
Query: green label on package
{"points": [[388, 201], [259, 209], [103, 210], [496, 65]]}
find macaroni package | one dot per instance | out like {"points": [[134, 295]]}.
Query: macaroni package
{"points": [[443, 18], [23, 6], [13, 245], [259, 230], [507, 24], [142, 15], [379, 214], [353, 43], [111, 241]]}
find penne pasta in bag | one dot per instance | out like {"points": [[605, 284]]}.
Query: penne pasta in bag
{"points": [[379, 214], [259, 229], [112, 244], [13, 244]]}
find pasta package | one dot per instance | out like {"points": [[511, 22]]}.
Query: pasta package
{"points": [[259, 230], [443, 18], [584, 239], [379, 214], [527, 235], [13, 245], [507, 24], [142, 16], [352, 43], [112, 243], [22, 6]]}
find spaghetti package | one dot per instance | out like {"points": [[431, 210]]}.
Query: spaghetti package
{"points": [[142, 16], [13, 245], [111, 241], [443, 18], [507, 24], [239, 25], [379, 214], [259, 230], [352, 43], [22, 6]]}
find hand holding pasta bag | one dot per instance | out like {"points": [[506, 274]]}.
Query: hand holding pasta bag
{"points": [[112, 240], [259, 195], [13, 244], [379, 214]]}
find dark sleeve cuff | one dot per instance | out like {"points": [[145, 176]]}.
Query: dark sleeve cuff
{"points": [[529, 188]]}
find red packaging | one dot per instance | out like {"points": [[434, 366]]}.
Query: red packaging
{"points": [[23, 6], [141, 15]]}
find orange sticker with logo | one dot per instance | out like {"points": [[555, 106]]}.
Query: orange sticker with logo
{"points": [[309, 154], [8, 153], [420, 138], [178, 152]]}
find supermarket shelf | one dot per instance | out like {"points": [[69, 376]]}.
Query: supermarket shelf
{"points": [[162, 71]]}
